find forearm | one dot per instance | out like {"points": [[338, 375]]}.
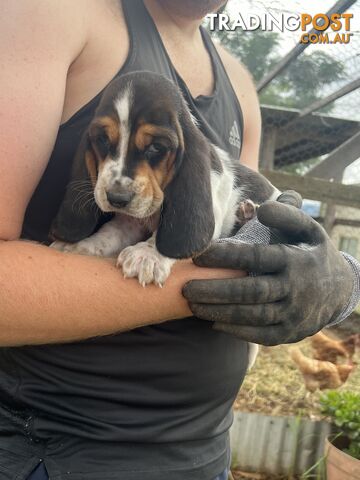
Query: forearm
{"points": [[49, 297]]}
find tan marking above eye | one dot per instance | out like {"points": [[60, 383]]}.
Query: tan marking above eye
{"points": [[111, 127], [146, 132], [142, 137]]}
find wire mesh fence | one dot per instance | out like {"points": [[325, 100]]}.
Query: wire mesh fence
{"points": [[317, 73]]}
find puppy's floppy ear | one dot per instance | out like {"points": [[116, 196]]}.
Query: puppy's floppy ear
{"points": [[78, 216], [187, 220]]}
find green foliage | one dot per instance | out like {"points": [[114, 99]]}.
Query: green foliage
{"points": [[256, 50], [307, 76], [344, 410], [299, 85]]}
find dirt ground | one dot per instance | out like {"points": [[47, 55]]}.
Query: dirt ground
{"points": [[275, 386]]}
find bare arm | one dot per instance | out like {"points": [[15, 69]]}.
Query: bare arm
{"points": [[47, 296]]}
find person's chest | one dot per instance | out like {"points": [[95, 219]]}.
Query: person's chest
{"points": [[106, 50]]}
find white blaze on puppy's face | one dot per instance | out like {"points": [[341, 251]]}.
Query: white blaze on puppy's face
{"points": [[111, 170], [123, 106]]}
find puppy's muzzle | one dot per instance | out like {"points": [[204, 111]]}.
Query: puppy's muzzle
{"points": [[119, 199]]}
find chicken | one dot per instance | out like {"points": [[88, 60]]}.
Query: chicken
{"points": [[351, 344], [328, 349], [320, 374]]}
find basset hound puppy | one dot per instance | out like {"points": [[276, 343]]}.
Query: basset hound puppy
{"points": [[171, 192]]}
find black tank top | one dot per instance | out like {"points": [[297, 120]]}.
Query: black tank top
{"points": [[150, 404]]}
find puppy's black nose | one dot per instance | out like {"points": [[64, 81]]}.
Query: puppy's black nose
{"points": [[119, 200]]}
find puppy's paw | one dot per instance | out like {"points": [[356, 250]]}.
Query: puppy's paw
{"points": [[82, 248], [146, 263], [246, 211], [61, 246]]}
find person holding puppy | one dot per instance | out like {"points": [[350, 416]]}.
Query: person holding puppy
{"points": [[100, 378]]}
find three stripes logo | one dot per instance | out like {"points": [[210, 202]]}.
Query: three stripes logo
{"points": [[234, 138]]}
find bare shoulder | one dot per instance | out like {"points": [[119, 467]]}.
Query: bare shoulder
{"points": [[240, 77], [39, 40], [245, 90], [57, 25]]}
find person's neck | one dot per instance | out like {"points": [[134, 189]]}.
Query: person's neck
{"points": [[174, 24]]}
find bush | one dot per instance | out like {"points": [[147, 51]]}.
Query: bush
{"points": [[343, 408]]}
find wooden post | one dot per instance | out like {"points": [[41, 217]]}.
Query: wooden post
{"points": [[329, 219], [268, 145]]}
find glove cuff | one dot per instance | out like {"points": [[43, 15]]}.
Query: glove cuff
{"points": [[355, 294]]}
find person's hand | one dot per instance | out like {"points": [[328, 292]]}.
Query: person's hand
{"points": [[300, 286]]}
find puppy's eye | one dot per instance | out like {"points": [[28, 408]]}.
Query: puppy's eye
{"points": [[102, 143], [155, 151]]}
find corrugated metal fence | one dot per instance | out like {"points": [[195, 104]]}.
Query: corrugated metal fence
{"points": [[277, 445]]}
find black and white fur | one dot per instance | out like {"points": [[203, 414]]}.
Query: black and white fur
{"points": [[200, 204]]}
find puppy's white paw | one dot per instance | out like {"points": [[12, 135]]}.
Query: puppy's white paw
{"points": [[82, 248], [61, 246], [146, 263]]}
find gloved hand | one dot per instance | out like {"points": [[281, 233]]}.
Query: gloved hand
{"points": [[300, 287]]}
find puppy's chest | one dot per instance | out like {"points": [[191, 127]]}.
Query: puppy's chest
{"points": [[226, 198]]}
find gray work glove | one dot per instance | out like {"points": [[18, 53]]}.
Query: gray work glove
{"points": [[299, 287]]}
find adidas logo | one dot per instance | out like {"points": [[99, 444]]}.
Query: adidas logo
{"points": [[234, 138]]}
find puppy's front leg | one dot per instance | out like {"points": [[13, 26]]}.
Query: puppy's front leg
{"points": [[111, 238], [145, 262]]}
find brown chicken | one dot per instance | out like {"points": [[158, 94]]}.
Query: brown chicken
{"points": [[326, 348], [320, 374]]}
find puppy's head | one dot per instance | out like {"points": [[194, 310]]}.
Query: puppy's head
{"points": [[136, 140], [143, 154]]}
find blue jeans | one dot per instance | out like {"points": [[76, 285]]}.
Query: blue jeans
{"points": [[223, 476], [40, 473]]}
